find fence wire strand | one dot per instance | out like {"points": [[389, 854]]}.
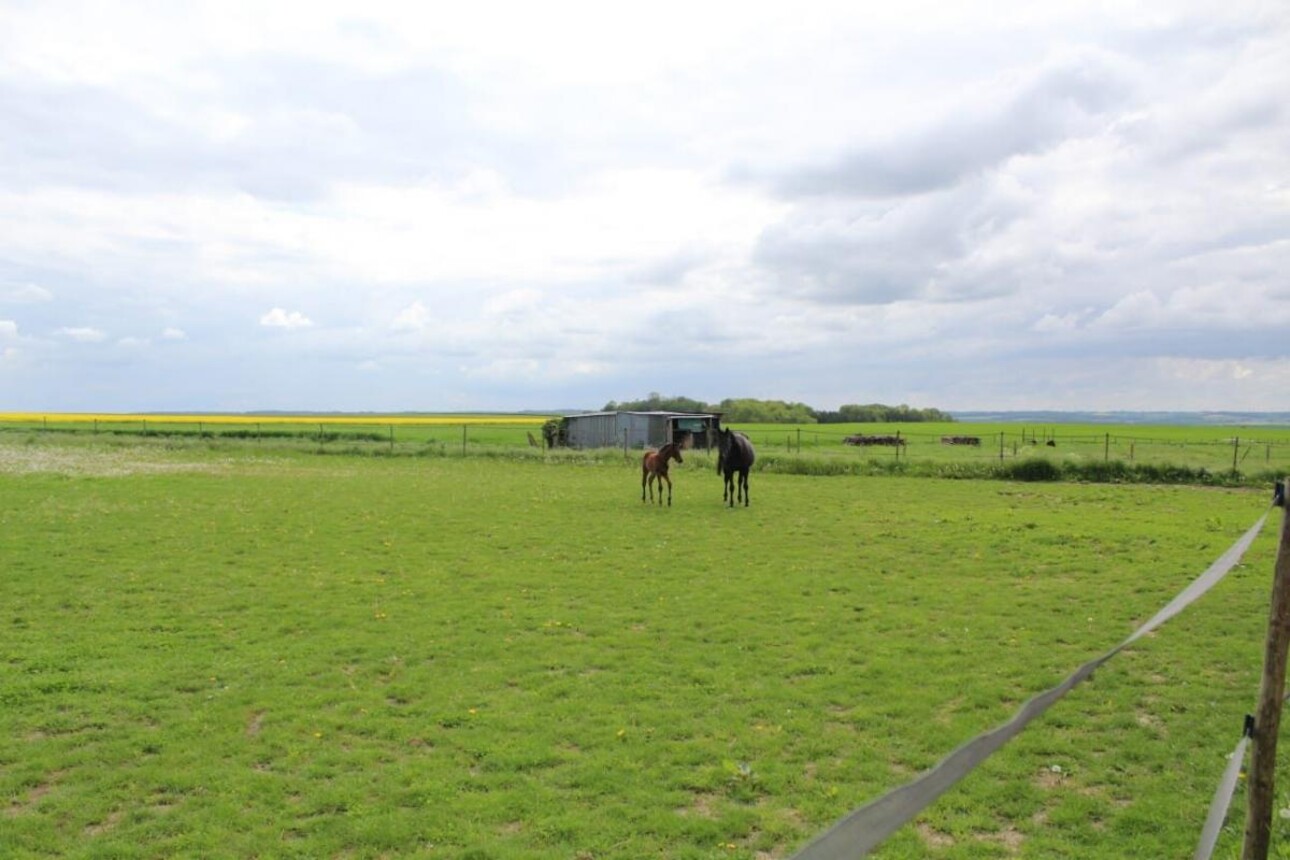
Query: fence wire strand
{"points": [[866, 827], [1222, 800]]}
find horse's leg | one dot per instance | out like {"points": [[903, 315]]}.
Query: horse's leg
{"points": [[644, 475], [669, 490], [743, 481]]}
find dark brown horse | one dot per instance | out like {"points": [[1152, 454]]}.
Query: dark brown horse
{"points": [[654, 465], [735, 457]]}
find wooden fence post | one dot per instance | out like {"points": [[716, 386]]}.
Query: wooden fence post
{"points": [[1267, 722]]}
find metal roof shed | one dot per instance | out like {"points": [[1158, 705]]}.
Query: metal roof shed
{"points": [[638, 429]]}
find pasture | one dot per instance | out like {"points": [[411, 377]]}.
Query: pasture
{"points": [[1218, 449], [249, 651], [1251, 455]]}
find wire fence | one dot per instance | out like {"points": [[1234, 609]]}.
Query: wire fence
{"points": [[1216, 453], [438, 435], [858, 833], [1245, 455]]}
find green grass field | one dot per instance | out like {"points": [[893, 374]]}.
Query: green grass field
{"points": [[251, 651]]}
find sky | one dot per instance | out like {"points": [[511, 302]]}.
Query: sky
{"points": [[498, 206]]}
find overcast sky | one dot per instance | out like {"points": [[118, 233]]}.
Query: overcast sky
{"points": [[502, 206]]}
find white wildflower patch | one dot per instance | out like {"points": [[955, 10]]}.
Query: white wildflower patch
{"points": [[21, 458]]}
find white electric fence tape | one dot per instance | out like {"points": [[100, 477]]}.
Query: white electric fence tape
{"points": [[1222, 799], [869, 825]]}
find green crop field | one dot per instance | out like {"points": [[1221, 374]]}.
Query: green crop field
{"points": [[249, 650]]}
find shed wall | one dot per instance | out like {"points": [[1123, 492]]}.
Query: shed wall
{"points": [[593, 431], [614, 429]]}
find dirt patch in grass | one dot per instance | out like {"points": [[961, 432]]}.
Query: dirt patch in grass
{"points": [[703, 806], [101, 827], [932, 837], [33, 797], [1009, 838], [1050, 777]]}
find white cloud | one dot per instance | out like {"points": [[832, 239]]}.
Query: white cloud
{"points": [[10, 351], [279, 318], [414, 317], [1136, 310], [83, 334], [25, 294], [521, 301], [1261, 373], [862, 201], [504, 369], [1057, 323], [410, 233]]}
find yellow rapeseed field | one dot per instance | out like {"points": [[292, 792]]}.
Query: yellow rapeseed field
{"points": [[161, 418]]}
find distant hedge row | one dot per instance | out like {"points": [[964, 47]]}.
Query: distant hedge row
{"points": [[1030, 469]]}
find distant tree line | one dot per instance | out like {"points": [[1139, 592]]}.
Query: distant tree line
{"points": [[877, 413], [749, 411]]}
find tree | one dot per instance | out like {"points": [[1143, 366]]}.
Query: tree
{"points": [[658, 403], [874, 413], [747, 410]]}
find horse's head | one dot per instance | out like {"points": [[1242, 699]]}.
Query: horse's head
{"points": [[676, 453], [723, 440]]}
